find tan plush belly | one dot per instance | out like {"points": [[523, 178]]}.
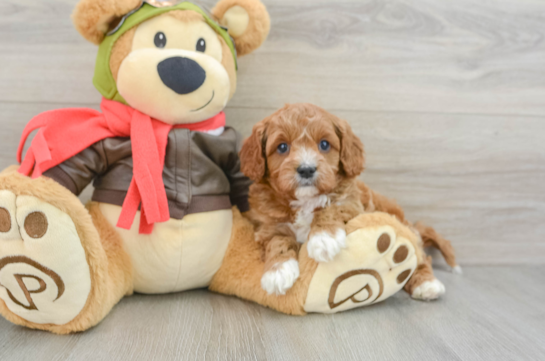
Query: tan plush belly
{"points": [[180, 254]]}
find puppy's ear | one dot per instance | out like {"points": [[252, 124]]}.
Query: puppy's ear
{"points": [[94, 18], [252, 159], [248, 22], [352, 157]]}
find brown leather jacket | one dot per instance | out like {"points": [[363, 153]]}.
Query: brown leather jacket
{"points": [[201, 172]]}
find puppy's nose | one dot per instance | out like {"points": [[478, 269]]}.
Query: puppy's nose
{"points": [[183, 75], [306, 171]]}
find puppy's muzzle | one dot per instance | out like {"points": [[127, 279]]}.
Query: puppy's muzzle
{"points": [[183, 75], [306, 172]]}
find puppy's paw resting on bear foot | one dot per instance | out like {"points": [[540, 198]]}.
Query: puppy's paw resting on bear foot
{"points": [[429, 290], [44, 274], [280, 277], [378, 260], [323, 246]]}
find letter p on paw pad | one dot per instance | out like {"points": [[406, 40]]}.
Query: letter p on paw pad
{"points": [[44, 274]]}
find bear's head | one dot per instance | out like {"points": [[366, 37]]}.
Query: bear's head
{"points": [[170, 59]]}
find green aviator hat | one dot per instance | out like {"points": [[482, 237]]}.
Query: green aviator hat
{"points": [[103, 78]]}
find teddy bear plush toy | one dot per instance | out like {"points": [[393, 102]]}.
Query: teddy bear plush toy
{"points": [[165, 215]]}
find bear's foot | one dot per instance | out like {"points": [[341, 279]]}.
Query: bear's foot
{"points": [[378, 260], [44, 274]]}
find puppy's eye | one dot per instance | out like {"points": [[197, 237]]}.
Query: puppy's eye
{"points": [[160, 40], [325, 146], [201, 45], [283, 148]]}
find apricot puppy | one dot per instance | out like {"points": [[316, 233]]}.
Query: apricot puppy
{"points": [[304, 162]]}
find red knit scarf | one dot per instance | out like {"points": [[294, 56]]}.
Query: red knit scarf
{"points": [[64, 133]]}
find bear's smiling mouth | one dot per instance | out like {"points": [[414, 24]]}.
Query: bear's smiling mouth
{"points": [[213, 93]]}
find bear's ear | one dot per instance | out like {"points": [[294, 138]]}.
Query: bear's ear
{"points": [[248, 22], [94, 18]]}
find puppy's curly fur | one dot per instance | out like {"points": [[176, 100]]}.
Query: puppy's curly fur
{"points": [[289, 207]]}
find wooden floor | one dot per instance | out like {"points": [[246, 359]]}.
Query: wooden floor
{"points": [[449, 99], [491, 313]]}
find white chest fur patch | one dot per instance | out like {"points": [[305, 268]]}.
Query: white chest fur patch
{"points": [[306, 204]]}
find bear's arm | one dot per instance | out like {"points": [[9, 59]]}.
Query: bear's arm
{"points": [[240, 184], [223, 151], [80, 170]]}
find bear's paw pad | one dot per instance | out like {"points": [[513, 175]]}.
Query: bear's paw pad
{"points": [[44, 275], [376, 263]]}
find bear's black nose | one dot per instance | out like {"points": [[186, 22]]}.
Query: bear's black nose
{"points": [[182, 75]]}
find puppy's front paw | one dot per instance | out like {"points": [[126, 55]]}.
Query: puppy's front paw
{"points": [[429, 290], [281, 277], [323, 247]]}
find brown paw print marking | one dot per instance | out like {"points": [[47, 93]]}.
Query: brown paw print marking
{"points": [[403, 276], [401, 254], [383, 242], [345, 276], [36, 224], [5, 220], [19, 277]]}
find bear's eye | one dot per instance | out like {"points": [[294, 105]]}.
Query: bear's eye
{"points": [[201, 45], [160, 40]]}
